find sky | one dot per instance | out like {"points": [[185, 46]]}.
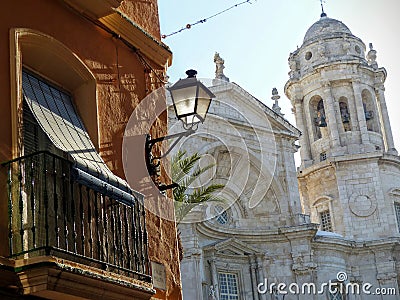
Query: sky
{"points": [[255, 41]]}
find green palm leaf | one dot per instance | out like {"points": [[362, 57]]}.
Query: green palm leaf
{"points": [[184, 171]]}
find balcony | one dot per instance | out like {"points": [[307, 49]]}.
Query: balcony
{"points": [[53, 215]]}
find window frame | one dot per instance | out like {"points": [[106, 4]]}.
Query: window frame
{"points": [[326, 220], [228, 294], [397, 213], [28, 49], [222, 216], [323, 204]]}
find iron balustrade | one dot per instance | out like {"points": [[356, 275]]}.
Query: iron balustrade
{"points": [[50, 213]]}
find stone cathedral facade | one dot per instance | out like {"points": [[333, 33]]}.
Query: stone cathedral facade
{"points": [[336, 220]]}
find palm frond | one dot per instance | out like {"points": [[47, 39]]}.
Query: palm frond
{"points": [[184, 172], [205, 193], [181, 165]]}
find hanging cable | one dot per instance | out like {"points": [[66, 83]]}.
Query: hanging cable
{"points": [[190, 25]]}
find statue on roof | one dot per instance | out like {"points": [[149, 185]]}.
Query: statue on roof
{"points": [[275, 107], [371, 56], [219, 67]]}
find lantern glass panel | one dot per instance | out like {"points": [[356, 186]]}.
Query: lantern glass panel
{"points": [[202, 107], [190, 120], [184, 100]]}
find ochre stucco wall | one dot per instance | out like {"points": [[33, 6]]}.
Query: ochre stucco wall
{"points": [[121, 85], [144, 13]]}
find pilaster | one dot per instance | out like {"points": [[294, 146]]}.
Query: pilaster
{"points": [[305, 151], [387, 129], [360, 111], [331, 114]]}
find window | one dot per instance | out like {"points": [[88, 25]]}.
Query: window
{"points": [[62, 132], [397, 211], [337, 292], [33, 136], [228, 285], [222, 215], [30, 48], [322, 156], [317, 112], [335, 296], [325, 219], [369, 111], [344, 114], [321, 120]]}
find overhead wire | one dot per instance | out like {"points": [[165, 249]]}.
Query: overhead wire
{"points": [[190, 25]]}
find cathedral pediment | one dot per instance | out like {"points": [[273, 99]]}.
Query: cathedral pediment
{"points": [[232, 246], [232, 96]]}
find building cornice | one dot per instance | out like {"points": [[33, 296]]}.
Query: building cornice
{"points": [[333, 161], [48, 275], [323, 242], [297, 82], [252, 235], [155, 50], [94, 8], [269, 112], [106, 12]]}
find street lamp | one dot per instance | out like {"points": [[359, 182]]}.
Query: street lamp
{"points": [[191, 100]]}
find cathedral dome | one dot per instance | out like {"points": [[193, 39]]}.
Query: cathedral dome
{"points": [[325, 27]]}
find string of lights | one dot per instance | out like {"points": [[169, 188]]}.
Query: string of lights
{"points": [[190, 25]]}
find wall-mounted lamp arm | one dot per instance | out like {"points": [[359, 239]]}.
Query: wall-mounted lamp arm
{"points": [[191, 107], [153, 163], [151, 142]]}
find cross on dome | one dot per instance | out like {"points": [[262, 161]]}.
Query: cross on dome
{"points": [[323, 14]]}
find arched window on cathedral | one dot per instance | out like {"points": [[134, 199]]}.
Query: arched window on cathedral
{"points": [[344, 113], [318, 112], [397, 211], [321, 120], [322, 213], [369, 111], [326, 220]]}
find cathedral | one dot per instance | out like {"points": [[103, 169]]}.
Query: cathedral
{"points": [[328, 230]]}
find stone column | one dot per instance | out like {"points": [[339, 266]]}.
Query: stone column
{"points": [[214, 277], [387, 136], [360, 112], [260, 274], [331, 113], [388, 282], [353, 115], [305, 151], [252, 267]]}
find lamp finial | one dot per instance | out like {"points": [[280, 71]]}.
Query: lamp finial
{"points": [[191, 73]]}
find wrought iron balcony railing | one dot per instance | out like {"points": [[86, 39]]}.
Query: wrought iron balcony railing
{"points": [[52, 214]]}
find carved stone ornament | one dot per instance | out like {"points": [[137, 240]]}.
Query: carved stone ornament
{"points": [[362, 204]]}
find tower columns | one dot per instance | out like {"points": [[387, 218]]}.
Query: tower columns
{"points": [[331, 115], [360, 112], [387, 130]]}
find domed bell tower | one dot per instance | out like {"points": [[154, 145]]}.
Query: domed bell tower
{"points": [[350, 170]]}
